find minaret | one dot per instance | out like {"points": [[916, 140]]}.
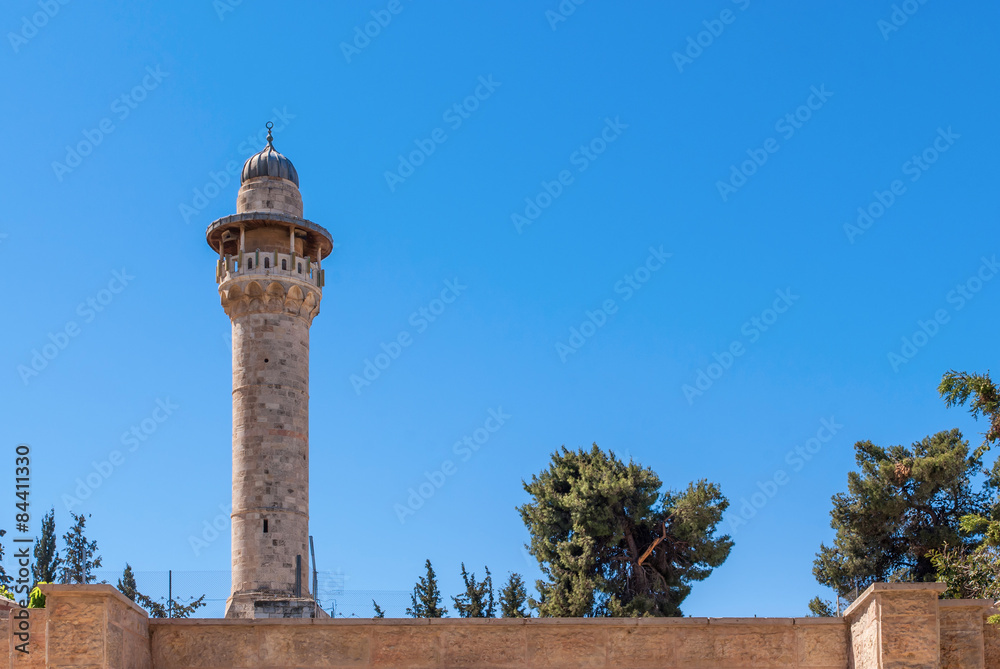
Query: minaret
{"points": [[271, 283]]}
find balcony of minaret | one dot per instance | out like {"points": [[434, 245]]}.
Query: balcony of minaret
{"points": [[260, 263]]}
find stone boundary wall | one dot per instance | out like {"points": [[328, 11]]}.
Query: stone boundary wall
{"points": [[991, 641], [898, 626], [777, 643]]}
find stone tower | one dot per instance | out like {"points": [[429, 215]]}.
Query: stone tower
{"points": [[271, 283]]}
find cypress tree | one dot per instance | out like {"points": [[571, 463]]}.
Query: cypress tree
{"points": [[514, 597], [477, 600], [5, 579], [426, 598], [79, 563], [126, 584], [47, 561], [379, 613]]}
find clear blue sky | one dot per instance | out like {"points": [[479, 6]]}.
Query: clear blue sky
{"points": [[200, 80]]}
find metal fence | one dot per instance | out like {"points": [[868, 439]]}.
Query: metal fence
{"points": [[186, 586]]}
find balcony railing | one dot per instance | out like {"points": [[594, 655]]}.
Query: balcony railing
{"points": [[269, 263]]}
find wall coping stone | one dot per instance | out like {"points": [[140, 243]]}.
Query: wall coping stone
{"points": [[965, 604], [61, 590], [870, 592], [501, 622]]}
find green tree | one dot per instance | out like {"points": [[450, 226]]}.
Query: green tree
{"points": [[126, 584], [47, 561], [902, 504], [79, 562], [477, 600], [171, 608], [514, 597], [611, 544], [426, 598], [5, 578], [980, 394], [379, 613], [975, 572], [821, 608]]}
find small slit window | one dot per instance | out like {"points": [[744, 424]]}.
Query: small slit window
{"points": [[249, 263], [265, 526], [300, 268], [284, 264], [267, 263]]}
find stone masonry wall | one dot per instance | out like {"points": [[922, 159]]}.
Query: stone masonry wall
{"points": [[962, 640], [991, 642], [506, 643], [84, 627], [269, 194], [270, 452], [96, 627]]}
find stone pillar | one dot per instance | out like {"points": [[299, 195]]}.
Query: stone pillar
{"points": [[895, 626], [991, 640], [962, 639], [89, 627]]}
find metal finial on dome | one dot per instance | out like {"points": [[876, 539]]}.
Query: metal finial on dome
{"points": [[269, 163]]}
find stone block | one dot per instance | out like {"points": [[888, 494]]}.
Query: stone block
{"points": [[313, 646], [405, 646], [569, 646], [494, 644]]}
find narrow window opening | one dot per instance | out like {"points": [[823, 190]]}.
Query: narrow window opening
{"points": [[249, 264], [265, 526], [267, 263], [300, 268], [284, 264]]}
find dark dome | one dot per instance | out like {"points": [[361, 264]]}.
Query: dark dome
{"points": [[269, 163]]}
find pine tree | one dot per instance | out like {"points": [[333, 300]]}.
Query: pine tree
{"points": [[79, 562], [47, 561], [379, 613], [126, 584], [612, 544], [901, 506], [477, 600], [514, 597], [426, 598]]}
